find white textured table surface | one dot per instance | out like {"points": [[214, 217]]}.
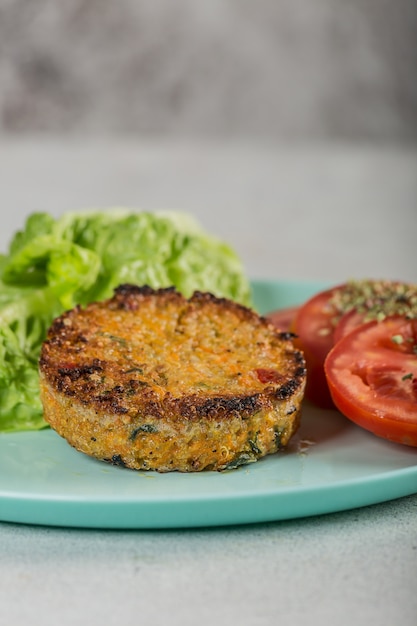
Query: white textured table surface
{"points": [[299, 212]]}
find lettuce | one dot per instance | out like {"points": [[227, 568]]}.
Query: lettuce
{"points": [[24, 321], [54, 264]]}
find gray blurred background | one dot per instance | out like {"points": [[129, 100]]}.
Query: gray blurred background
{"points": [[279, 69]]}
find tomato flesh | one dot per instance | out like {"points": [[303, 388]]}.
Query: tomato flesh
{"points": [[372, 377], [268, 376], [390, 383]]}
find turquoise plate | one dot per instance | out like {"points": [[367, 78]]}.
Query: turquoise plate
{"points": [[331, 465]]}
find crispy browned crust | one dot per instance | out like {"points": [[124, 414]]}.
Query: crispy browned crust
{"points": [[151, 380]]}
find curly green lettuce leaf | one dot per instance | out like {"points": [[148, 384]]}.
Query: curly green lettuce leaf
{"points": [[24, 321], [67, 269], [83, 256], [37, 224]]}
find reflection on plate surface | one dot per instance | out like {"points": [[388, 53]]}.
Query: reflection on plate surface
{"points": [[330, 465]]}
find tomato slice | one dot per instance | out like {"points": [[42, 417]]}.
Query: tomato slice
{"points": [[372, 377], [314, 325], [283, 319], [324, 319], [348, 321]]}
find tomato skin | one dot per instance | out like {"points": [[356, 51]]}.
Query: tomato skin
{"points": [[314, 325], [348, 322], [373, 379], [302, 321], [283, 319]]}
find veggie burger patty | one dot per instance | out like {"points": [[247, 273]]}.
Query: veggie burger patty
{"points": [[150, 380]]}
